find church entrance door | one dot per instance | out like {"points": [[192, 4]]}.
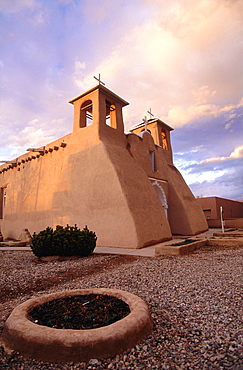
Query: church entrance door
{"points": [[162, 197]]}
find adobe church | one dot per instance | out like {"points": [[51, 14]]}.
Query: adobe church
{"points": [[124, 187]]}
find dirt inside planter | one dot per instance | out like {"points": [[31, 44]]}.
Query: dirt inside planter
{"points": [[184, 242], [80, 312]]}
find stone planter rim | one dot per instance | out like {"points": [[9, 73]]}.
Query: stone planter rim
{"points": [[68, 345]]}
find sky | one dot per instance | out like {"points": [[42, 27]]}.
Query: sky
{"points": [[181, 58]]}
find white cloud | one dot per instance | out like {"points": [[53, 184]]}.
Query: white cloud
{"points": [[208, 176], [181, 115], [180, 60], [237, 153], [202, 94], [228, 126], [34, 134]]}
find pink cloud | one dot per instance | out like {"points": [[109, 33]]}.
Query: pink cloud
{"points": [[237, 153]]}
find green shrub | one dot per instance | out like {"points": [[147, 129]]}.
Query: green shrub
{"points": [[64, 241]]}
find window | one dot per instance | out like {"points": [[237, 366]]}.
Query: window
{"points": [[207, 213], [152, 160], [86, 114], [2, 201], [110, 114]]}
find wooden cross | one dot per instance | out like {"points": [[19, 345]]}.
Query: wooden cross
{"points": [[145, 123], [99, 79], [150, 113]]}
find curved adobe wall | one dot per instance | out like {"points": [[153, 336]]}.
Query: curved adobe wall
{"points": [[185, 215]]}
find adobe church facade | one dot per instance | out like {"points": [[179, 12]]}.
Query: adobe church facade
{"points": [[122, 186]]}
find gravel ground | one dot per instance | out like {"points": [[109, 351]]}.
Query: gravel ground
{"points": [[196, 303]]}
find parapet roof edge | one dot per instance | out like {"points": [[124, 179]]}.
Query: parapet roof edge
{"points": [[153, 120], [104, 89]]}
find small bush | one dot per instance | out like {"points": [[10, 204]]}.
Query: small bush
{"points": [[64, 241]]}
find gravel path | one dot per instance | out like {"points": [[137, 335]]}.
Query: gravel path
{"points": [[196, 303]]}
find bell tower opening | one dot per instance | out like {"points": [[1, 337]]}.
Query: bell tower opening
{"points": [[86, 114], [164, 142], [111, 114]]}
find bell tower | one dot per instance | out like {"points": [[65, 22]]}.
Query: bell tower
{"points": [[100, 110], [160, 132]]}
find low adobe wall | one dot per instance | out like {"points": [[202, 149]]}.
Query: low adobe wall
{"points": [[229, 222], [229, 234], [180, 250], [226, 242]]}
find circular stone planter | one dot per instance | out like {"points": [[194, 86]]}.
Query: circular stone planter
{"points": [[67, 345]]}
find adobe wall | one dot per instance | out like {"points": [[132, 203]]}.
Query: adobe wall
{"points": [[148, 214], [231, 208], [185, 215], [211, 205], [139, 147], [86, 183], [229, 223]]}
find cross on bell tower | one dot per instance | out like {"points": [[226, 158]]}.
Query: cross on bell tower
{"points": [[145, 123], [99, 80], [150, 113]]}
